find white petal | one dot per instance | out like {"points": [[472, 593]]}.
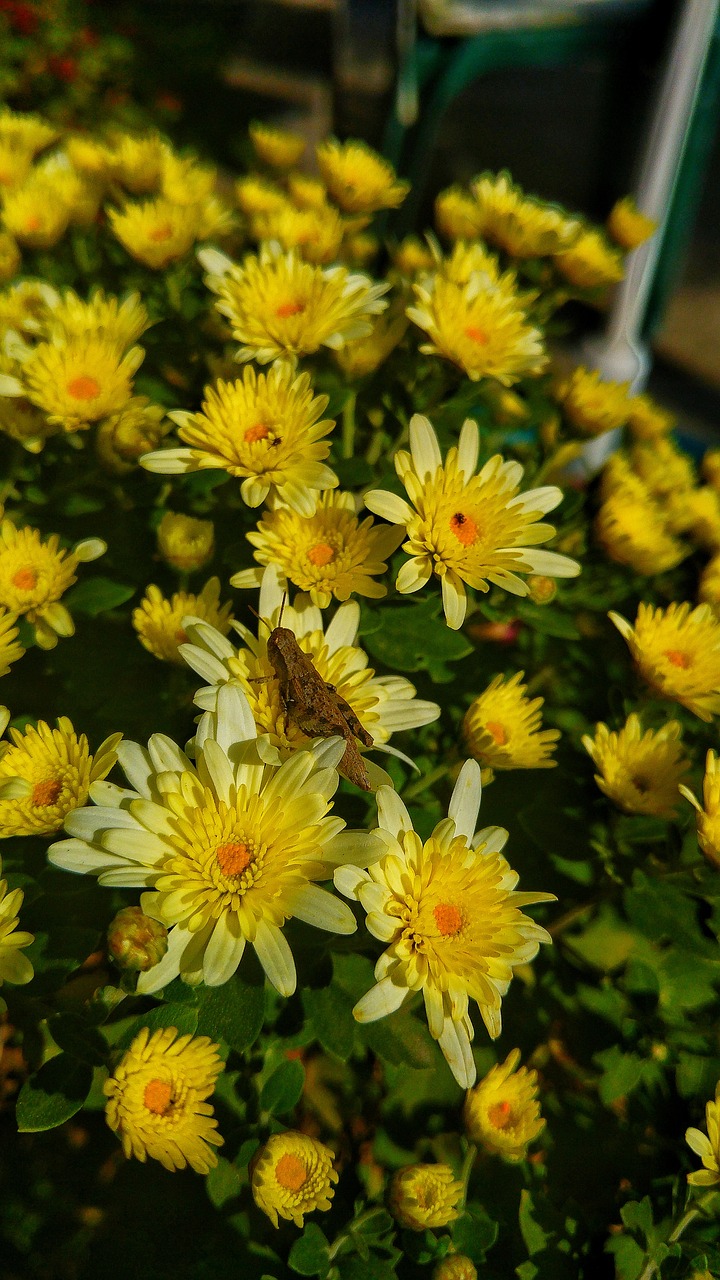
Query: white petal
{"points": [[169, 967], [494, 839], [343, 629], [223, 953], [392, 814], [434, 1010], [235, 723], [424, 447], [328, 752], [271, 592], [322, 909], [379, 1001], [207, 666], [167, 462], [552, 564], [413, 575], [465, 800], [79, 857], [86, 823], [388, 505], [275, 957], [208, 636], [136, 765], [348, 880], [543, 500], [138, 846], [454, 598], [215, 763], [89, 549], [468, 448], [455, 1045], [166, 756]]}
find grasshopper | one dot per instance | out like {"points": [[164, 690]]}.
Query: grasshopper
{"points": [[314, 706]]}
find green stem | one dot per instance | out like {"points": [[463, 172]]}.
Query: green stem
{"points": [[429, 780], [347, 1233], [375, 448], [467, 1168], [651, 1266], [348, 425]]}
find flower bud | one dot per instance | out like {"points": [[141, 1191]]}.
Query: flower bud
{"points": [[424, 1195], [135, 941], [502, 1112], [542, 589], [455, 1267], [185, 543], [122, 439], [628, 226], [9, 257]]}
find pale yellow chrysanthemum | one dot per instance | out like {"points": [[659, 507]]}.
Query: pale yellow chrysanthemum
{"points": [[280, 307], [627, 226], [316, 233], [502, 728], [184, 181], [663, 468], [413, 256], [156, 232], [619, 479], [256, 196], [590, 262], [118, 321], [457, 214], [466, 260], [80, 381], [306, 192], [159, 622], [330, 553], [591, 404], [363, 356], [502, 1112], [279, 148], [157, 1099], [14, 966], [450, 916], [357, 178], [424, 1196], [46, 773], [34, 215], [292, 1175], [88, 155], [465, 527], [696, 512], [640, 772], [26, 132], [524, 226], [26, 306], [10, 259], [80, 195], [707, 816], [137, 161], [383, 704], [216, 219], [647, 420], [677, 651], [15, 165], [632, 531], [185, 543], [226, 848], [35, 573], [123, 438], [481, 326], [709, 584], [707, 1146], [266, 428], [10, 648], [19, 419]]}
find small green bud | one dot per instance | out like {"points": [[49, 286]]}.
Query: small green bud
{"points": [[455, 1267]]}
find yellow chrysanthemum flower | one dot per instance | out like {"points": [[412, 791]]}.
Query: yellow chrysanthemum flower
{"points": [[677, 651], [330, 553], [266, 428], [185, 543], [80, 195], [640, 772], [159, 622], [157, 1099], [184, 181], [591, 404], [481, 326], [697, 513], [467, 528], [119, 321], [457, 214], [662, 467], [34, 215], [123, 438], [306, 192], [257, 196], [293, 1175], [707, 1146], [590, 262], [383, 704], [359, 248], [216, 219], [26, 132], [709, 585], [137, 161], [315, 233], [26, 306], [80, 381], [456, 1266], [449, 912], [15, 165], [357, 178], [279, 148], [280, 307], [707, 816], [35, 573], [10, 647], [627, 226], [633, 532], [226, 849], [14, 966], [10, 259], [502, 729], [156, 232], [363, 356], [46, 773], [647, 420], [88, 156], [412, 256], [19, 419], [502, 1112], [466, 260], [424, 1196], [524, 226]]}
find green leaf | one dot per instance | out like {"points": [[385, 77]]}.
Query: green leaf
{"points": [[535, 1237], [548, 621], [283, 1090], [224, 1182], [310, 1255], [474, 1233], [184, 1017], [622, 1072], [71, 1033], [697, 1076], [629, 1257], [401, 1038], [233, 1013], [53, 1095], [372, 1268], [97, 595], [414, 638], [638, 1216]]}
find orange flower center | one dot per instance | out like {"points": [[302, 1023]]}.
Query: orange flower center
{"points": [[477, 335], [500, 1115], [497, 732], [181, 635], [448, 919], [321, 554], [158, 1097], [45, 793], [258, 432], [464, 528], [33, 223], [287, 309], [160, 233], [678, 658], [233, 858], [83, 388], [26, 579], [290, 1172]]}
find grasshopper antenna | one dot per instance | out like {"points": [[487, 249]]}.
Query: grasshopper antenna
{"points": [[263, 620]]}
